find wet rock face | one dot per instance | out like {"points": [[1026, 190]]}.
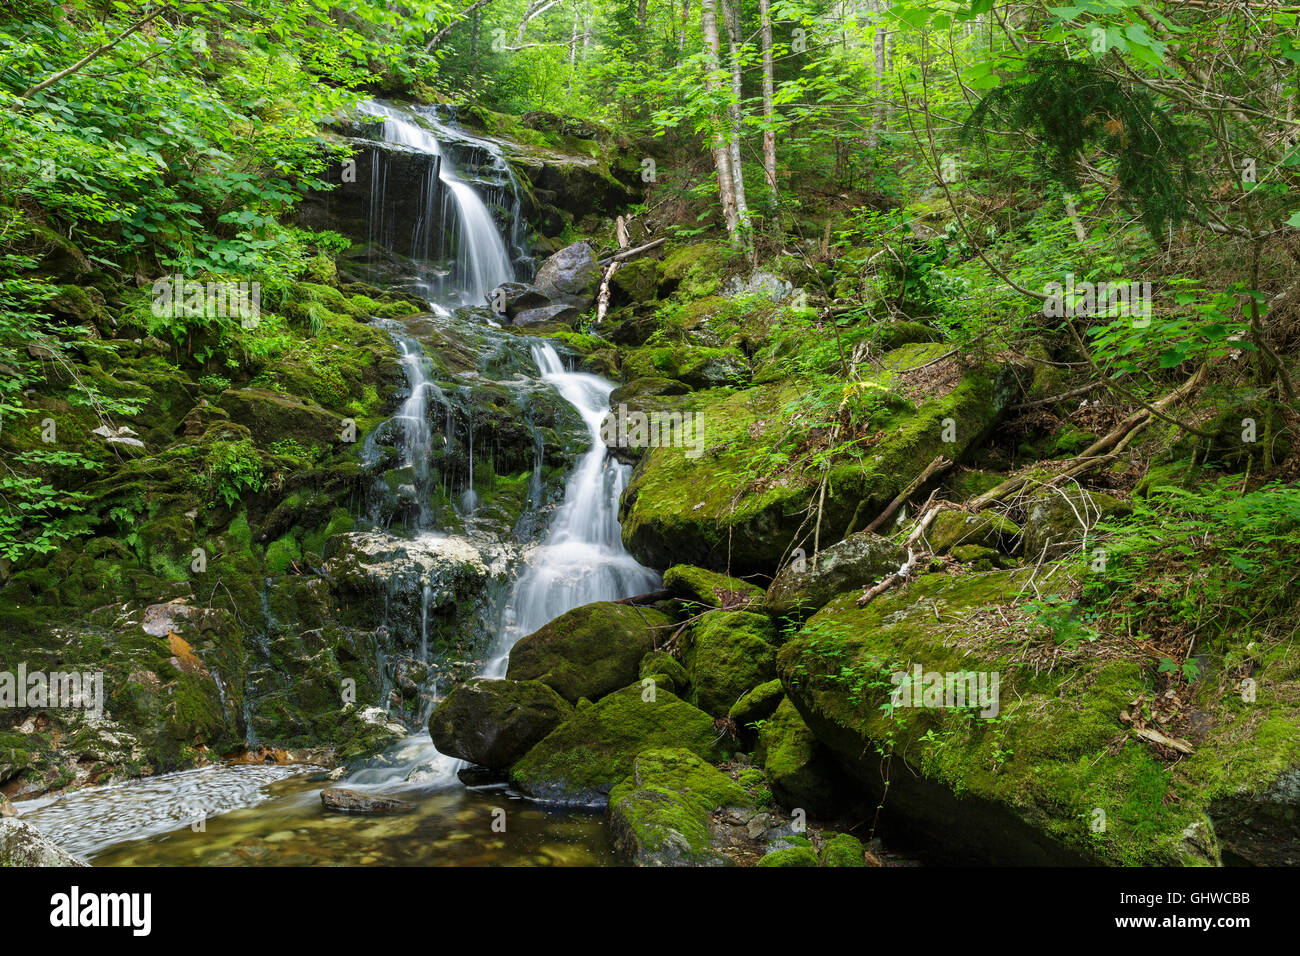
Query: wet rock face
{"points": [[394, 219], [564, 288], [341, 800], [493, 723], [1261, 830]]}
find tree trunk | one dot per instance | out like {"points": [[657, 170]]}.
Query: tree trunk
{"points": [[769, 113], [721, 154], [734, 113]]}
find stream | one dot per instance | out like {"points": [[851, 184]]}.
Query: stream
{"points": [[232, 815]]}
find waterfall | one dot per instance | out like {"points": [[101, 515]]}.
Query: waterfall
{"points": [[481, 261], [581, 559]]}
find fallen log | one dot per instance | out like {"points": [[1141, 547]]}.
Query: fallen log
{"points": [[624, 254], [940, 464]]}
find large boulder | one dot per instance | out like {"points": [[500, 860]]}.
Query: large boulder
{"points": [[21, 844], [799, 770], [589, 651], [579, 762], [495, 722], [802, 587], [659, 815], [1042, 769], [569, 277], [686, 506], [709, 588], [270, 416], [757, 704], [953, 529], [728, 653]]}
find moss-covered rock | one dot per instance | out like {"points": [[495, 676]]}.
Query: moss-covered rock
{"points": [[710, 588], [843, 849], [803, 586], [666, 672], [728, 653], [1059, 521], [1024, 785], [272, 416], [691, 509], [799, 770], [495, 722], [951, 529], [659, 814], [757, 704], [791, 856], [586, 756], [589, 651]]}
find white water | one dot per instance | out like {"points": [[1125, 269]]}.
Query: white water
{"points": [[580, 560], [482, 262]]}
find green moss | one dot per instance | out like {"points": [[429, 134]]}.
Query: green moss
{"points": [[281, 553], [791, 856], [666, 672], [757, 704], [708, 588], [589, 651], [583, 759], [1049, 757], [843, 849], [659, 815], [728, 653]]}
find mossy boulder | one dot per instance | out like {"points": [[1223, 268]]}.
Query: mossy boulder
{"points": [[579, 762], [589, 651], [680, 509], [665, 671], [495, 722], [659, 814], [728, 653], [791, 856], [799, 770], [273, 416], [1060, 520], [844, 849], [1023, 785], [696, 270], [951, 529], [803, 586], [757, 704], [709, 588]]}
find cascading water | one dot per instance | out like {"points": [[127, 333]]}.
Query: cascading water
{"points": [[481, 261], [578, 559], [582, 559]]}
